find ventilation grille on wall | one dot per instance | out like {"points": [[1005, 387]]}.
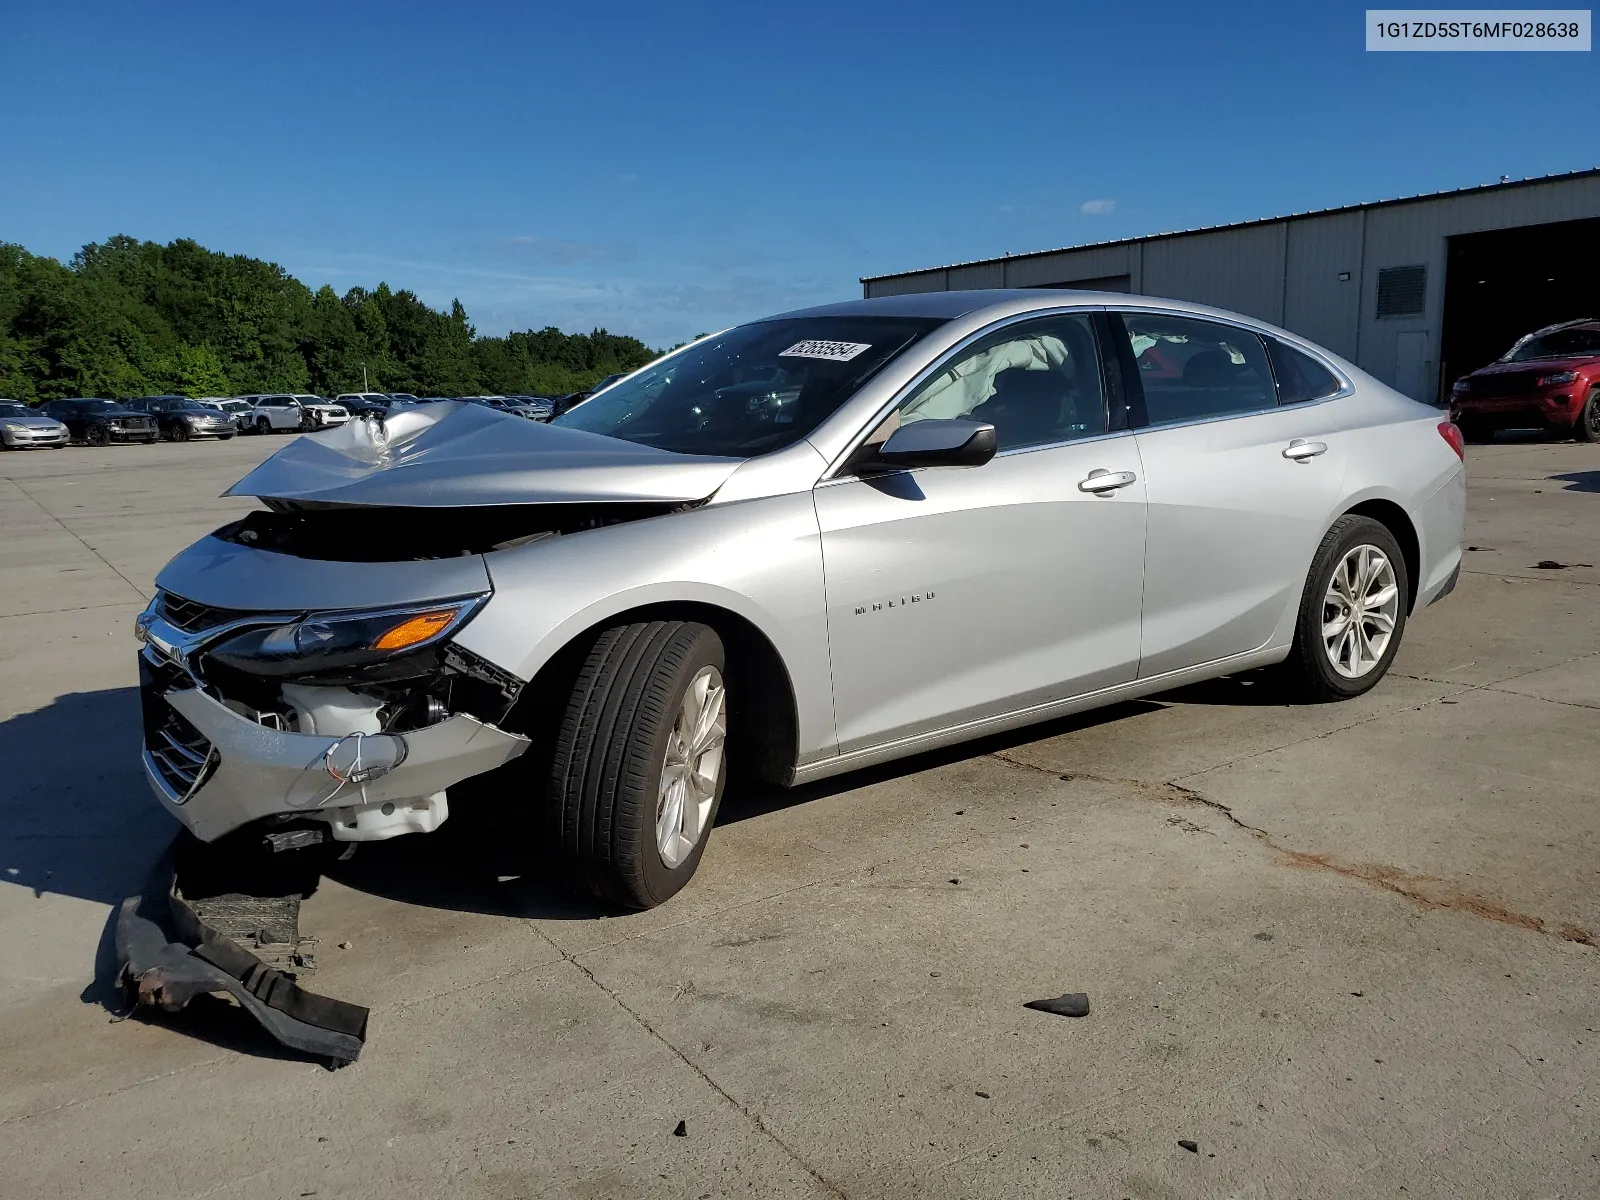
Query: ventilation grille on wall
{"points": [[1402, 291]]}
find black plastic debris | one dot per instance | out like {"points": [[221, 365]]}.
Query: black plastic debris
{"points": [[1191, 1147], [1550, 564], [1073, 1004], [682, 1129], [169, 951]]}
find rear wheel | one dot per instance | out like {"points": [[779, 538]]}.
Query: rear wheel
{"points": [[97, 435], [1587, 427], [1352, 612], [638, 768]]}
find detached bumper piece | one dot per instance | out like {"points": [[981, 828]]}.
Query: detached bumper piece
{"points": [[167, 954]]}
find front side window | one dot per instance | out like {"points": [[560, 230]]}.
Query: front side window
{"points": [[750, 390], [1037, 383], [1300, 377], [1193, 369]]}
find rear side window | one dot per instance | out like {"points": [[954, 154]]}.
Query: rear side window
{"points": [[1192, 369], [1300, 377]]}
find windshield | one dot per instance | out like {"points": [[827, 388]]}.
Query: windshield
{"points": [[751, 390], [16, 410], [1563, 343], [99, 405], [190, 406]]}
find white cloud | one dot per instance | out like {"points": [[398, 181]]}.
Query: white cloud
{"points": [[1096, 208]]}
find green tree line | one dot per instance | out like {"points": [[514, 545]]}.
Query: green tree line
{"points": [[129, 318]]}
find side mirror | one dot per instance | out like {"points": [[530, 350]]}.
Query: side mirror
{"points": [[939, 442]]}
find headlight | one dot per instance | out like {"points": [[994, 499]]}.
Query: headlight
{"points": [[1558, 377], [1461, 385], [13, 426], [390, 644]]}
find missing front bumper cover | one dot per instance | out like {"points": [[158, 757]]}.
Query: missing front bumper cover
{"points": [[169, 951]]}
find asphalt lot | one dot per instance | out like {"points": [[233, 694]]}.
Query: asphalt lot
{"points": [[1344, 949]]}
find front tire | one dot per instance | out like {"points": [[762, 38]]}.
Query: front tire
{"points": [[263, 426], [97, 435], [1587, 427], [1352, 612], [180, 432], [639, 766]]}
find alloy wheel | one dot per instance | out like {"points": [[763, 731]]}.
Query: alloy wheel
{"points": [[1359, 611], [692, 767]]}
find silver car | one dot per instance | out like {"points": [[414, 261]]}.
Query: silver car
{"points": [[24, 428], [796, 548]]}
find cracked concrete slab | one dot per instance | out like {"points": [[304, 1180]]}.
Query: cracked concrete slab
{"points": [[1332, 946]]}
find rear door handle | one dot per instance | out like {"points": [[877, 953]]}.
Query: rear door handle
{"points": [[1101, 481], [1300, 450]]}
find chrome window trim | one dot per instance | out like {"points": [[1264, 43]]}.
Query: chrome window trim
{"points": [[831, 472]]}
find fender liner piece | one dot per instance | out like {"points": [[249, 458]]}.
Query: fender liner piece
{"points": [[167, 955]]}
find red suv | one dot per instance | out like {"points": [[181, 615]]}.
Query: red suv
{"points": [[1550, 378]]}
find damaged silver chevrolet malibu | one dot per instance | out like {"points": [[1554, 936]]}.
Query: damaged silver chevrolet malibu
{"points": [[801, 546]]}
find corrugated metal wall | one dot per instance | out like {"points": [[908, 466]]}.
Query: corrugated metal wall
{"points": [[1288, 272]]}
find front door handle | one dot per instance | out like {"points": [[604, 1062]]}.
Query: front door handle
{"points": [[1101, 481], [1301, 450]]}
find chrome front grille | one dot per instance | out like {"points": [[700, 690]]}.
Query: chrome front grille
{"points": [[177, 752], [191, 616]]}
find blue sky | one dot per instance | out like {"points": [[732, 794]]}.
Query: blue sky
{"points": [[665, 169]]}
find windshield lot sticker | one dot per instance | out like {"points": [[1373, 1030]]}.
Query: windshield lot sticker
{"points": [[832, 351]]}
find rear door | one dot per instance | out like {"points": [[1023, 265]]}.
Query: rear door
{"points": [[957, 594], [1240, 485]]}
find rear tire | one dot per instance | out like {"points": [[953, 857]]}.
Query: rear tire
{"points": [[639, 764], [1587, 427], [1352, 613]]}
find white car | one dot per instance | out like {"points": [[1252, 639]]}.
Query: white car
{"points": [[280, 412]]}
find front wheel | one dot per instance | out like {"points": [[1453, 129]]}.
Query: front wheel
{"points": [[97, 435], [639, 765], [1587, 427], [263, 426], [180, 432], [1352, 612]]}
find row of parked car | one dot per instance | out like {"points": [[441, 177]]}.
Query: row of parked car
{"points": [[98, 422]]}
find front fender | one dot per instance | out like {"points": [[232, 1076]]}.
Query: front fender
{"points": [[760, 559]]}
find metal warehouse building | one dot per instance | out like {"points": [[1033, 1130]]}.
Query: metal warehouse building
{"points": [[1416, 291]]}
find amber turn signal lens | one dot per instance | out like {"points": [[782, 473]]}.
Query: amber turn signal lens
{"points": [[415, 629]]}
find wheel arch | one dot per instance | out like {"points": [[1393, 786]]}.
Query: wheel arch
{"points": [[763, 708], [1398, 522]]}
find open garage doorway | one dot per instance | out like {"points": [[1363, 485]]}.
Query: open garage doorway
{"points": [[1504, 283]]}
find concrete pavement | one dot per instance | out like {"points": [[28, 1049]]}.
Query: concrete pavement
{"points": [[1346, 949]]}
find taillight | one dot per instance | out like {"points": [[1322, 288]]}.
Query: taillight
{"points": [[1451, 432]]}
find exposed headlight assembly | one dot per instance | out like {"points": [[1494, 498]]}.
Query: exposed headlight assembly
{"points": [[1558, 377], [391, 644]]}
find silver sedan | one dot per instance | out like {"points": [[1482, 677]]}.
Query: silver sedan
{"points": [[796, 548], [24, 428]]}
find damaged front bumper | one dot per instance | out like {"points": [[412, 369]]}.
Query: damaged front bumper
{"points": [[216, 763]]}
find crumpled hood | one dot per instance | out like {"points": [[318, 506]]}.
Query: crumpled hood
{"points": [[454, 454]]}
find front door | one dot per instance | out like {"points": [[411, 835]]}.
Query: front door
{"points": [[956, 594], [1241, 487]]}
